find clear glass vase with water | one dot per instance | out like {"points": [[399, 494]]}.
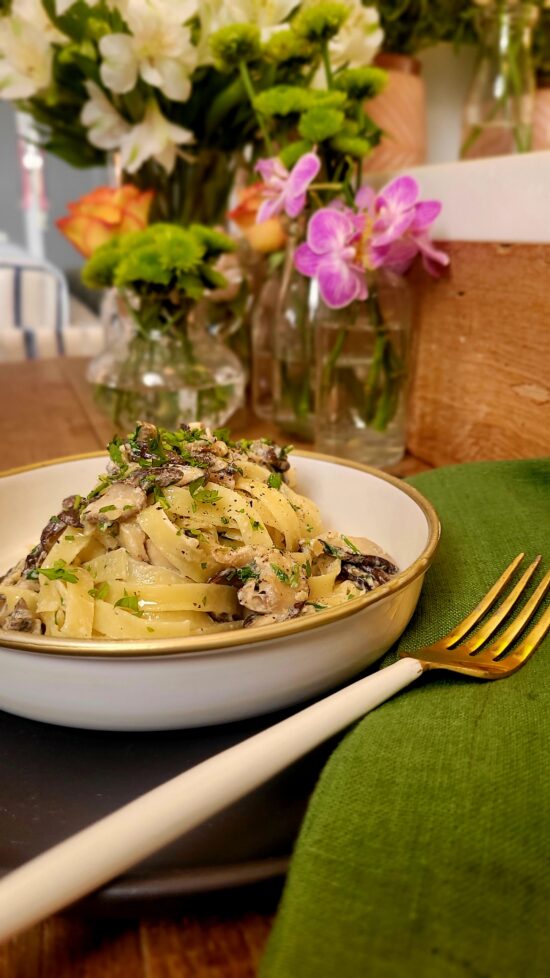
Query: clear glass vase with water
{"points": [[362, 369]]}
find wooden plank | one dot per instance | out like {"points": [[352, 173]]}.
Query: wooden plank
{"points": [[481, 387], [39, 416]]}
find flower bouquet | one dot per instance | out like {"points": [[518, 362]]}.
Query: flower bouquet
{"points": [[316, 140], [161, 84], [163, 367]]}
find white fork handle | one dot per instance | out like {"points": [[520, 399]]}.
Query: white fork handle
{"points": [[95, 855]]}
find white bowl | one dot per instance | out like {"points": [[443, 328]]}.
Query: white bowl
{"points": [[162, 684]]}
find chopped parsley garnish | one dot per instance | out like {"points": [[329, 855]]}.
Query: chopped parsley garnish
{"points": [[275, 480], [32, 575], [329, 549], [77, 502], [294, 578], [106, 509], [160, 498], [59, 572], [222, 434], [149, 629], [130, 603], [307, 566], [317, 605], [224, 520], [280, 573], [287, 449], [100, 591], [255, 524], [246, 573], [351, 545], [201, 495], [69, 537], [116, 455], [204, 565]]}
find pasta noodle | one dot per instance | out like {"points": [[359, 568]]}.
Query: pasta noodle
{"points": [[187, 533]]}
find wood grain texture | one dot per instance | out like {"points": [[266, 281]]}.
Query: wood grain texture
{"points": [[481, 387]]}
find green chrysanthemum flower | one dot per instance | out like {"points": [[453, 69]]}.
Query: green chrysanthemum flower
{"points": [[99, 270], [321, 123], [285, 46], [235, 44], [284, 100], [361, 83], [215, 242], [351, 145], [320, 21]]}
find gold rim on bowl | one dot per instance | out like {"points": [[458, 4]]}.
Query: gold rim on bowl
{"points": [[203, 645]]}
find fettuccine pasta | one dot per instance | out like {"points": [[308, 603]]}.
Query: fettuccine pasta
{"points": [[187, 533]]}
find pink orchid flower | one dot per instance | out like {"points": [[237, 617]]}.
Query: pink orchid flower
{"points": [[400, 224], [286, 190], [330, 256]]}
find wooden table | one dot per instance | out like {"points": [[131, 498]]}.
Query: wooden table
{"points": [[46, 411]]}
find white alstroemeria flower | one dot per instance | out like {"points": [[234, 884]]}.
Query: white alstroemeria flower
{"points": [[106, 128], [33, 12], [359, 38], [153, 138], [159, 48], [26, 58]]}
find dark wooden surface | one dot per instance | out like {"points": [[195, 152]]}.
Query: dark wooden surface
{"points": [[46, 411]]}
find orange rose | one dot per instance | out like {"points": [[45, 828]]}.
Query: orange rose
{"points": [[265, 237], [99, 215]]}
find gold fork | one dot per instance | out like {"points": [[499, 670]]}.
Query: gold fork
{"points": [[492, 662], [115, 843]]}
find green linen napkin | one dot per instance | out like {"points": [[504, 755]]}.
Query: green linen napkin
{"points": [[425, 849]]}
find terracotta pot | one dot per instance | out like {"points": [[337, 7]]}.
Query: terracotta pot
{"points": [[541, 118], [400, 110]]}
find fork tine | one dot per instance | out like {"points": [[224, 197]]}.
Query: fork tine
{"points": [[491, 625], [512, 662], [516, 627], [486, 602]]}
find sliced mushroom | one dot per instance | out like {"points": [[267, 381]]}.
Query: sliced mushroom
{"points": [[121, 501], [14, 574], [367, 571], [268, 453], [179, 475], [279, 587], [18, 620]]}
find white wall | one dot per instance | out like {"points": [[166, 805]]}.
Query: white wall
{"points": [[63, 183]]}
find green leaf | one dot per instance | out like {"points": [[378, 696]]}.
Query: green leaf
{"points": [[275, 480], [321, 123]]}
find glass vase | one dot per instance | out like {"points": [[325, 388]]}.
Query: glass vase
{"points": [[293, 350], [362, 373], [498, 115], [197, 189], [166, 376]]}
